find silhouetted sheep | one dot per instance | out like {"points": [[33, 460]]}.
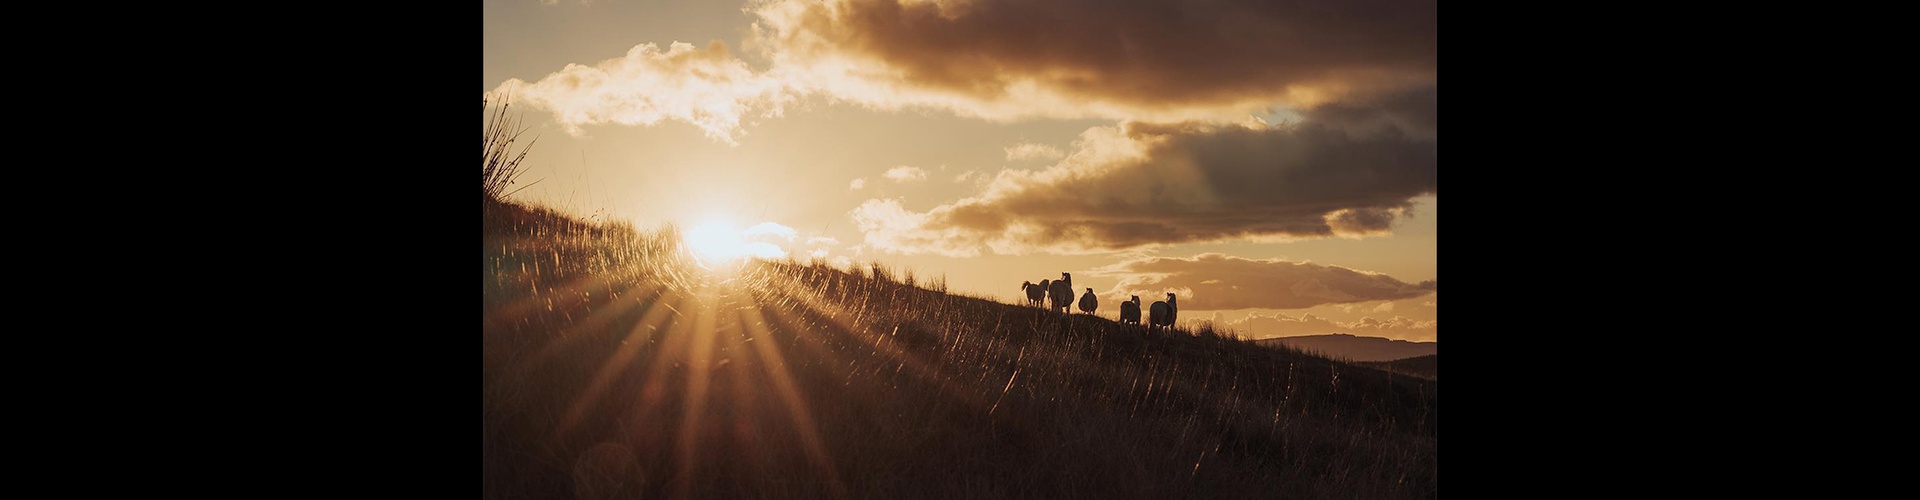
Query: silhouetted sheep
{"points": [[1130, 311], [1162, 313], [1062, 293], [1036, 294], [1088, 303], [1173, 309]]}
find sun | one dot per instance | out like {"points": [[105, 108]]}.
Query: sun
{"points": [[716, 244]]}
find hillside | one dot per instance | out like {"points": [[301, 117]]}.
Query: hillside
{"points": [[1420, 366], [613, 367], [1353, 348]]}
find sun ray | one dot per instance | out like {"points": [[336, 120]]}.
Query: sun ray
{"points": [[618, 304], [749, 431], [699, 376], [844, 319], [638, 337], [775, 367]]}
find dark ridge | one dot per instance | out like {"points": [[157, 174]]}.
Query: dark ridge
{"points": [[1418, 366], [1348, 347]]}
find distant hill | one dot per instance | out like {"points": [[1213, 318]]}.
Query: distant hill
{"points": [[1423, 366], [1352, 348]]}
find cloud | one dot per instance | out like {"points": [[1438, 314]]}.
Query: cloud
{"points": [[704, 87], [821, 246], [1213, 281], [1350, 170], [761, 240], [769, 230], [891, 226], [1158, 60], [905, 173], [1031, 151], [858, 183]]}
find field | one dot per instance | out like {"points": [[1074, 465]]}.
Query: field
{"points": [[615, 366]]}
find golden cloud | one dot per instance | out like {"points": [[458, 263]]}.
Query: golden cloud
{"points": [[707, 88]]}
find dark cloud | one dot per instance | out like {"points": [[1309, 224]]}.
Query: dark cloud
{"points": [[1215, 281], [1142, 56], [1150, 60], [1345, 170]]}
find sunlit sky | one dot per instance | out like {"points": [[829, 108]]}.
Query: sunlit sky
{"points": [[1263, 160]]}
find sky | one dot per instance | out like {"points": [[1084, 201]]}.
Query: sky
{"points": [[1273, 164]]}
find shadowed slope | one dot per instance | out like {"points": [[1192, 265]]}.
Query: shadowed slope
{"points": [[611, 371]]}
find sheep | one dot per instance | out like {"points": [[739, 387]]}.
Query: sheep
{"points": [[1162, 313], [1130, 311], [1062, 293], [1088, 303], [1173, 310], [1157, 316], [1035, 293]]}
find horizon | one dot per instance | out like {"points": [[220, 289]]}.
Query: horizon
{"points": [[1278, 186]]}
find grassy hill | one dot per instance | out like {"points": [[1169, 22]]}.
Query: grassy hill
{"points": [[615, 367]]}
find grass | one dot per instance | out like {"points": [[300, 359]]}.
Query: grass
{"points": [[499, 165], [614, 368]]}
